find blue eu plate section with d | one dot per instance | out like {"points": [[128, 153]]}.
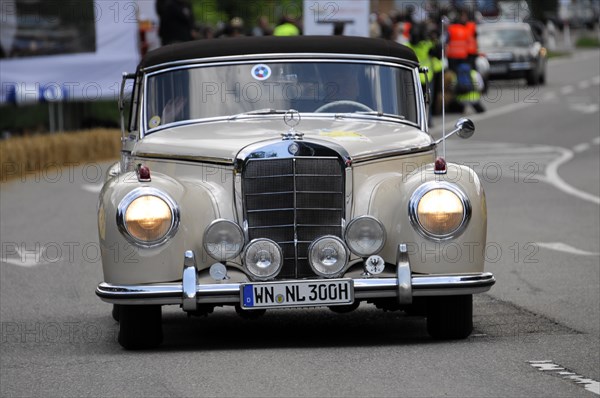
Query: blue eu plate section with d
{"points": [[297, 294]]}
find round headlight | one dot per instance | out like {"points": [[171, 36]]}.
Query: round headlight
{"points": [[439, 210], [263, 258], [147, 216], [365, 236], [328, 256], [223, 240]]}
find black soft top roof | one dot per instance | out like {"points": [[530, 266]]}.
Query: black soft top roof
{"points": [[271, 45]]}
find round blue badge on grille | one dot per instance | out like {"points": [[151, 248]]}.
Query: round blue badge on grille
{"points": [[261, 72]]}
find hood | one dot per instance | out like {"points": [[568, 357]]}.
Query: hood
{"points": [[221, 141], [518, 53]]}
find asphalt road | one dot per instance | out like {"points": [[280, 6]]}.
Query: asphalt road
{"points": [[536, 332]]}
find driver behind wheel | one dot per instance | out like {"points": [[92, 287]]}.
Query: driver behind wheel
{"points": [[341, 88]]}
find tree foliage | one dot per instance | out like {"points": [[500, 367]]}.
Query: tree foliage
{"points": [[211, 12]]}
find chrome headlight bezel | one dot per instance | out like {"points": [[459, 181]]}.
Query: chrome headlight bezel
{"points": [[271, 244], [138, 193], [346, 257], [427, 187], [232, 254], [363, 218]]}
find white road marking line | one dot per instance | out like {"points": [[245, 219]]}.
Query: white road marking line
{"points": [[581, 147], [566, 90], [549, 96], [517, 149], [585, 108], [596, 80], [547, 366], [554, 179], [501, 111], [551, 175], [486, 115], [93, 188], [584, 84], [24, 258], [563, 247], [478, 144]]}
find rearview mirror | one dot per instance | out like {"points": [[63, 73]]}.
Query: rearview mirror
{"points": [[464, 128]]}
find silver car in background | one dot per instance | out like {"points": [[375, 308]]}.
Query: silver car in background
{"points": [[513, 51]]}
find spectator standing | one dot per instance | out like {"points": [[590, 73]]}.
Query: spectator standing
{"points": [[286, 27], [425, 50], [338, 28], [468, 93], [262, 27], [176, 21], [457, 50], [472, 49]]}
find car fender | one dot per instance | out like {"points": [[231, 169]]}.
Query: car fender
{"points": [[126, 262], [462, 254]]}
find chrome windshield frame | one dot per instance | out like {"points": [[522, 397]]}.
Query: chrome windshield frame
{"points": [[297, 58]]}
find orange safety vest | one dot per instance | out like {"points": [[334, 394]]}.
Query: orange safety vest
{"points": [[457, 44], [471, 38], [406, 30]]}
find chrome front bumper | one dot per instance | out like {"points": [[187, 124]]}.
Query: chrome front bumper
{"points": [[189, 293]]}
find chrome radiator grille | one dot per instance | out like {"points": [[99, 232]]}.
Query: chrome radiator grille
{"points": [[293, 201]]}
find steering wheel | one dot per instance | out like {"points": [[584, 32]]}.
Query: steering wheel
{"points": [[333, 104]]}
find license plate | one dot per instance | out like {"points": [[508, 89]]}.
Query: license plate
{"points": [[297, 294], [498, 69], [520, 65]]}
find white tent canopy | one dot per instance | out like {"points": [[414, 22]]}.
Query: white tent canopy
{"points": [[83, 71]]}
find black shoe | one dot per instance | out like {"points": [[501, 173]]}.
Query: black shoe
{"points": [[478, 107]]}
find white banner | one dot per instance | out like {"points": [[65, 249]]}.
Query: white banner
{"points": [[321, 16], [57, 50]]}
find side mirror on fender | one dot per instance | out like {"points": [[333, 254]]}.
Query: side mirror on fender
{"points": [[464, 128]]}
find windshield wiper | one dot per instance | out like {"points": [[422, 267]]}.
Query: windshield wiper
{"points": [[372, 113], [266, 111], [380, 114]]}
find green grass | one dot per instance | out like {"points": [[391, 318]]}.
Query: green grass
{"points": [[557, 54], [77, 115], [587, 42]]}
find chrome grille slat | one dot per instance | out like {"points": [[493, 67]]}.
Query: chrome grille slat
{"points": [[310, 188]]}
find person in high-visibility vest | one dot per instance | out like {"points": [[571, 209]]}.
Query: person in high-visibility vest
{"points": [[457, 47], [286, 27], [473, 96], [424, 49], [472, 50]]}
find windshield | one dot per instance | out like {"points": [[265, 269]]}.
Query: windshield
{"points": [[253, 88], [496, 38]]}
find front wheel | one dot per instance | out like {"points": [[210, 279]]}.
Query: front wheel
{"points": [[140, 326], [542, 79], [532, 78], [450, 317], [115, 312]]}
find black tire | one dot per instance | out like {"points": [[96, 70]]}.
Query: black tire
{"points": [[115, 312], [140, 326], [344, 309], [486, 85], [450, 317], [250, 314], [417, 308], [532, 78]]}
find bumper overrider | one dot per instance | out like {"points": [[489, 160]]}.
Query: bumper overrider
{"points": [[189, 293]]}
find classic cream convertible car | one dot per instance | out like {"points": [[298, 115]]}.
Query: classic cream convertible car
{"points": [[264, 173]]}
